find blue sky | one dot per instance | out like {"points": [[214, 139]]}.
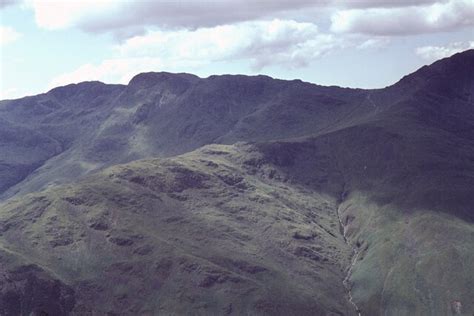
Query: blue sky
{"points": [[363, 43]]}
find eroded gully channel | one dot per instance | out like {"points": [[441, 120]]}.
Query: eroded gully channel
{"points": [[355, 255]]}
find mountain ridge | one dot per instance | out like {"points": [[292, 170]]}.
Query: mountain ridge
{"points": [[235, 194]]}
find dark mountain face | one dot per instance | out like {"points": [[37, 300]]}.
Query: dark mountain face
{"points": [[319, 200], [165, 114]]}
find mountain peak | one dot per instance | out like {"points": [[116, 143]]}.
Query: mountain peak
{"points": [[148, 79], [450, 72], [88, 89], [79, 85]]}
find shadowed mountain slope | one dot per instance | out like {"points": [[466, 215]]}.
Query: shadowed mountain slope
{"points": [[339, 200], [162, 114]]}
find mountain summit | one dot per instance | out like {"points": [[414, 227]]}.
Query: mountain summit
{"points": [[176, 194]]}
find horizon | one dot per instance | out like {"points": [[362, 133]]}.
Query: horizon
{"points": [[245, 75], [366, 44]]}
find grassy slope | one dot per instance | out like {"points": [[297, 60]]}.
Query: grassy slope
{"points": [[204, 233], [407, 207], [414, 263], [252, 227]]}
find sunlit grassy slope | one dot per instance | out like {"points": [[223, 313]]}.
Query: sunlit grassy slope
{"points": [[197, 234]]}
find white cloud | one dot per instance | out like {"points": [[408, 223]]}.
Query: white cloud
{"points": [[382, 3], [284, 42], [374, 43], [432, 53], [114, 70], [51, 14], [129, 18], [437, 17], [8, 35], [258, 44], [112, 15]]}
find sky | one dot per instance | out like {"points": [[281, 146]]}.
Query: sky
{"points": [[355, 43]]}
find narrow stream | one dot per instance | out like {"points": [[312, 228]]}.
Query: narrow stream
{"points": [[355, 256]]}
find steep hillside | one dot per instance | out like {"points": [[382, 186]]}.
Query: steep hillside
{"points": [[36, 130], [199, 234], [269, 228], [162, 114], [406, 208]]}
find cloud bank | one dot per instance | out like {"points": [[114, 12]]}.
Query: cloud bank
{"points": [[110, 15], [436, 17], [432, 53], [375, 17], [284, 42], [257, 44]]}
